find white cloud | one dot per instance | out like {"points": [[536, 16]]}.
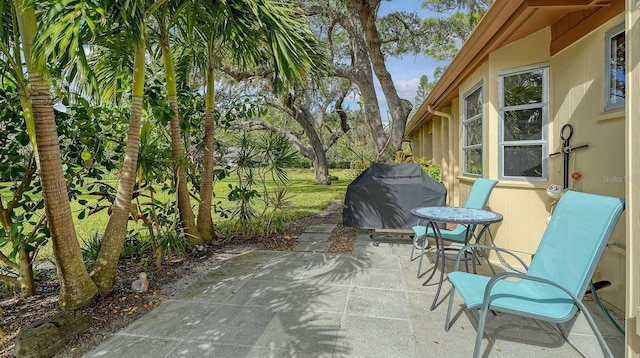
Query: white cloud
{"points": [[407, 89]]}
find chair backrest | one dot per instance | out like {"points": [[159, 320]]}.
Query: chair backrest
{"points": [[575, 239], [479, 194]]}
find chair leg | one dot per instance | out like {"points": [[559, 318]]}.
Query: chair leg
{"points": [[480, 332], [412, 248], [420, 262], [594, 328], [446, 321]]}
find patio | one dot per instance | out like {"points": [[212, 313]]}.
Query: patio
{"points": [[315, 304]]}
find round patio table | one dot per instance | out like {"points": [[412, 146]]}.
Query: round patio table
{"points": [[455, 215]]}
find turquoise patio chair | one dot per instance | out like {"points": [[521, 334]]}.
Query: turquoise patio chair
{"points": [[478, 197], [554, 284]]}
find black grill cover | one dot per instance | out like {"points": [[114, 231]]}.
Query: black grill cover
{"points": [[384, 194]]}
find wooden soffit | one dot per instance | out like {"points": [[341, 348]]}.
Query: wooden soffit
{"points": [[508, 21]]}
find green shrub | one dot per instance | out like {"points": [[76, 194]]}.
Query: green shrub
{"points": [[90, 249], [339, 164], [301, 162]]}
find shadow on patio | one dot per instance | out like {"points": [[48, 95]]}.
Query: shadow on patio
{"points": [[365, 304]]}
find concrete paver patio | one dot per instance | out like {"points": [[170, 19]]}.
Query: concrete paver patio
{"points": [[313, 304]]}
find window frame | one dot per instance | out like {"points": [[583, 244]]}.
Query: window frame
{"points": [[609, 35], [465, 121], [543, 142]]}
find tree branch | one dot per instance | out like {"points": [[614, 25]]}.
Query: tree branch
{"points": [[242, 76], [8, 262], [8, 278], [332, 140], [344, 118], [24, 185]]}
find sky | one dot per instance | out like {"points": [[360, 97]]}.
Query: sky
{"points": [[406, 71]]}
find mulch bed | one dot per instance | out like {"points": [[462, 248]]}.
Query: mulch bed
{"points": [[123, 306]]}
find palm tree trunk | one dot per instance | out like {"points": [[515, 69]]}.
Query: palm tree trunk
{"points": [[205, 222], [76, 288], [187, 218], [104, 273]]}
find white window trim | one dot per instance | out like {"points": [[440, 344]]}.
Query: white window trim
{"points": [[466, 120], [544, 141], [614, 31]]}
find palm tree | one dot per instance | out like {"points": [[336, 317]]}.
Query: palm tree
{"points": [[104, 272], [76, 287], [291, 48], [255, 33], [187, 218], [205, 221], [251, 34], [114, 25]]}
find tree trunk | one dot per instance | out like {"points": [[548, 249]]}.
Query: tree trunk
{"points": [[25, 277], [362, 76], [104, 273], [76, 288], [398, 107], [322, 170], [187, 218], [305, 119], [24, 265], [205, 222]]}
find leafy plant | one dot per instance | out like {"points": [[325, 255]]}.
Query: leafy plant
{"points": [[260, 159], [22, 224], [135, 246], [90, 249], [432, 169]]}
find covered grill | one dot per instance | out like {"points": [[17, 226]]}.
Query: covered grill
{"points": [[384, 194]]}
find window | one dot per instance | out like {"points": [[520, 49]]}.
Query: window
{"points": [[523, 123], [615, 69], [472, 127]]}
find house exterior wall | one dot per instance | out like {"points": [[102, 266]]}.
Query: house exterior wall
{"points": [[578, 82], [632, 213], [576, 96], [524, 205]]}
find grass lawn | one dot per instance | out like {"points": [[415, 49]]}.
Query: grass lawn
{"points": [[306, 198]]}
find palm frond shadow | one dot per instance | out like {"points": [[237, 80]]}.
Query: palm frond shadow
{"points": [[304, 293]]}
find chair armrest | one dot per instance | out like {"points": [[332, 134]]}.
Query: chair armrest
{"points": [[487, 247], [501, 276]]}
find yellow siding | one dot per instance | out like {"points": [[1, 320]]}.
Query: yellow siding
{"points": [[576, 96], [633, 173], [610, 166]]}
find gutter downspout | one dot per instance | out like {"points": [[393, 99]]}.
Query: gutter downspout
{"points": [[449, 116], [448, 164]]}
